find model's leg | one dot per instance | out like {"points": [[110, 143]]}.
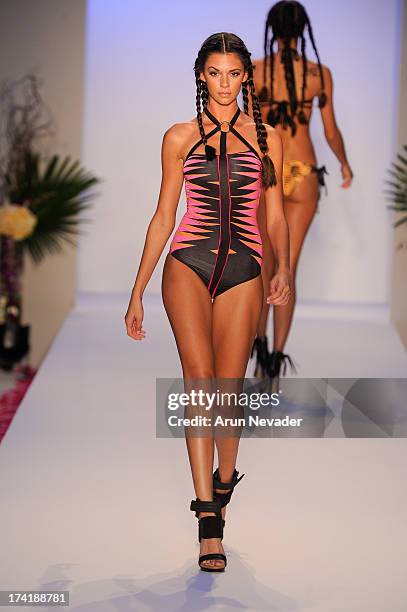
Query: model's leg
{"points": [[261, 345], [299, 210], [189, 309], [235, 318]]}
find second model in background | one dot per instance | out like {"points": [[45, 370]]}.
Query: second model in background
{"points": [[288, 83]]}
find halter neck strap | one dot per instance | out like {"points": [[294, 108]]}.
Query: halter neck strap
{"points": [[219, 123], [223, 134]]}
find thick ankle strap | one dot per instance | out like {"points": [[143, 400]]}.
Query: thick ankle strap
{"points": [[224, 498], [217, 484], [198, 506], [210, 527], [277, 361]]}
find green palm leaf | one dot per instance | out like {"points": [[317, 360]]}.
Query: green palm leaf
{"points": [[397, 194], [57, 195]]}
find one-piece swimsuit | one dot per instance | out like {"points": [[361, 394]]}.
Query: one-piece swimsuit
{"points": [[218, 236]]}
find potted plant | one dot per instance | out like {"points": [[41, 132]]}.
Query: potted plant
{"points": [[41, 198], [398, 187]]}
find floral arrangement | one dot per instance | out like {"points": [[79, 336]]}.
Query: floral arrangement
{"points": [[41, 198], [398, 189], [16, 221]]}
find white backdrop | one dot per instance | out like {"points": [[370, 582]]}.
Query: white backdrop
{"points": [[139, 81]]}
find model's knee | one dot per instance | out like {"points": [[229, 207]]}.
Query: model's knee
{"points": [[198, 371]]}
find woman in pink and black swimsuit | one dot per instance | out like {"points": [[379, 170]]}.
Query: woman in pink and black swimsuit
{"points": [[212, 286]]}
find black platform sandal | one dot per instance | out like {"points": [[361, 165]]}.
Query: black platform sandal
{"points": [[224, 498], [209, 527], [260, 347], [276, 360]]}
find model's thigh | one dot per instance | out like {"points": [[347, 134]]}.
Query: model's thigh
{"points": [[299, 210], [189, 309], [235, 317]]}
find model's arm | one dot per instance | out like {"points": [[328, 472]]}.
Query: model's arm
{"points": [[332, 132], [159, 229], [277, 228]]}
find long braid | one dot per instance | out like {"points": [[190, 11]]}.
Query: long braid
{"points": [[287, 59], [204, 94], [288, 16], [301, 115], [322, 97], [271, 116], [201, 101], [199, 109], [268, 171], [272, 69], [245, 95], [288, 19], [263, 92]]}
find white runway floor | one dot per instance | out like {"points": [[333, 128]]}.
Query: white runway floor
{"points": [[92, 502]]}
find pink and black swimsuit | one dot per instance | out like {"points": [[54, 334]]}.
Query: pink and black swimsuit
{"points": [[218, 236]]}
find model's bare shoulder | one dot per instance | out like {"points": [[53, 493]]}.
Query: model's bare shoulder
{"points": [[271, 132], [177, 135], [327, 73], [178, 132], [251, 128], [313, 69], [274, 139]]}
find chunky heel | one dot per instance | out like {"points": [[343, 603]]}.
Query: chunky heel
{"points": [[260, 348], [209, 527], [277, 361], [277, 366]]}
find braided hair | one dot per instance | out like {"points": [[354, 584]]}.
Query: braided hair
{"points": [[288, 19], [225, 42]]}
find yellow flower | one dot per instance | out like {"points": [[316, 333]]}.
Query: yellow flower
{"points": [[293, 173], [16, 221]]}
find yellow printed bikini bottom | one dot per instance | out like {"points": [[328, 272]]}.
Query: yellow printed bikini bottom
{"points": [[294, 171]]}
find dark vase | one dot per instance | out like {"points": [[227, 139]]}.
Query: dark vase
{"points": [[14, 344], [14, 337]]}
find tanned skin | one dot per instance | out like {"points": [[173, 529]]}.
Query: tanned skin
{"points": [[213, 339], [300, 207]]}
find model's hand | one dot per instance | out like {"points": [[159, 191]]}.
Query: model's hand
{"points": [[280, 289], [134, 318], [347, 176]]}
